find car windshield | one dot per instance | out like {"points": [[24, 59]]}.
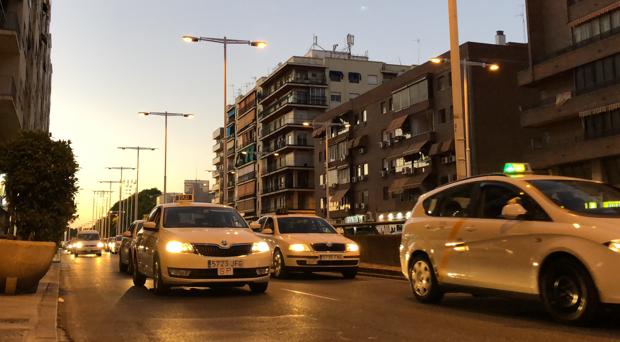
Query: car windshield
{"points": [[301, 225], [584, 197], [203, 217], [88, 237]]}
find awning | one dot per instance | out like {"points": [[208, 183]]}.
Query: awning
{"points": [[447, 146], [360, 141], [396, 123], [413, 149], [338, 195], [318, 132], [594, 14], [397, 185], [405, 183], [435, 149], [600, 110]]}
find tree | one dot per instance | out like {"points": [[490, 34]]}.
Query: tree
{"points": [[40, 185], [147, 199]]}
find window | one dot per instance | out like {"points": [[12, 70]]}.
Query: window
{"points": [[336, 97], [599, 73], [355, 77], [364, 115], [410, 95], [304, 225], [344, 176], [441, 83], [361, 170], [494, 196], [602, 124], [322, 179], [577, 170], [611, 170], [383, 107], [335, 76], [203, 217], [373, 80], [597, 27], [453, 202], [583, 197], [269, 224]]}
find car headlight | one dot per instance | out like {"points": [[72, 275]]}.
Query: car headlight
{"points": [[353, 247], [100, 244], [299, 247], [78, 245], [614, 245], [260, 247], [179, 247]]}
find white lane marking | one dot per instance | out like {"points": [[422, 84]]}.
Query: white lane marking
{"points": [[310, 294], [227, 318]]}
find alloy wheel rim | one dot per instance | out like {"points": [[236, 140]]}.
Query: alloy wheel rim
{"points": [[566, 294], [277, 264], [156, 276], [421, 278]]}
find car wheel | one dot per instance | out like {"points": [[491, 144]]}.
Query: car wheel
{"points": [[98, 254], [159, 287], [122, 268], [258, 287], [423, 280], [568, 292], [75, 255], [279, 269], [129, 264], [349, 274], [138, 278]]}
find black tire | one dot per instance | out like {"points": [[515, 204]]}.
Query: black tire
{"points": [[130, 264], [138, 278], [75, 255], [568, 292], [423, 280], [160, 288], [258, 287], [98, 254], [279, 268], [349, 274], [122, 268]]}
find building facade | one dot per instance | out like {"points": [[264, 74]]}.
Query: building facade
{"points": [[395, 142], [25, 66], [288, 101], [217, 190], [246, 153], [199, 188], [574, 67]]}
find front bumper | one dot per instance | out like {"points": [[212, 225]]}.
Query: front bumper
{"points": [[88, 250], [322, 261]]}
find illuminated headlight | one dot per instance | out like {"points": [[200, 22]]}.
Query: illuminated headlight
{"points": [[299, 247], [353, 247], [78, 245], [179, 247], [110, 244], [260, 247], [614, 245], [100, 244]]}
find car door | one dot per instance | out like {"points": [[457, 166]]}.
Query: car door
{"points": [[447, 215], [500, 250], [147, 242]]}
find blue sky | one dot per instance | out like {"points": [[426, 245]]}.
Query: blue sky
{"points": [[114, 58]]}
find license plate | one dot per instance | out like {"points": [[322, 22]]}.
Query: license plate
{"points": [[224, 264], [331, 257], [225, 271]]}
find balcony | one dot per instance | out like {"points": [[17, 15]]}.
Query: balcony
{"points": [[10, 116], [218, 133], [292, 79], [9, 33], [217, 160], [286, 186], [569, 58], [569, 150], [269, 130], [218, 146], [281, 147], [293, 98], [273, 168], [568, 105]]}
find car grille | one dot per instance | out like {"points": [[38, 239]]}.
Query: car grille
{"points": [[211, 273], [337, 262], [334, 247], [217, 251]]}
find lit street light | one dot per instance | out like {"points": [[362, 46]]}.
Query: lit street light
{"points": [[225, 42], [137, 149], [166, 115]]}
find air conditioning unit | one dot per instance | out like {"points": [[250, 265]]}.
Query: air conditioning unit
{"points": [[381, 144], [387, 143], [407, 171], [362, 150], [353, 180], [384, 173], [362, 205], [361, 178]]}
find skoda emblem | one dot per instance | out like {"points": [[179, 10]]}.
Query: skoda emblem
{"points": [[329, 244], [224, 243]]}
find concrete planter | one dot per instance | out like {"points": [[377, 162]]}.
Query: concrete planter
{"points": [[23, 264]]}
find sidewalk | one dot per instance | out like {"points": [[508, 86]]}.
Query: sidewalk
{"points": [[378, 270], [32, 317]]}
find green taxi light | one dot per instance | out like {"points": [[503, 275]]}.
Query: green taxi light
{"points": [[516, 168]]}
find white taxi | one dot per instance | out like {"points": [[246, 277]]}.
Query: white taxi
{"points": [[307, 243], [199, 244], [551, 237]]}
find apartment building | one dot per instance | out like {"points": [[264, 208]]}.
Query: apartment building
{"points": [[574, 67], [25, 66], [229, 139], [396, 141], [217, 189], [199, 188], [288, 101], [246, 153]]}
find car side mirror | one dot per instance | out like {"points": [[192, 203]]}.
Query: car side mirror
{"points": [[513, 211], [267, 231], [340, 231], [149, 226], [255, 226], [127, 234]]}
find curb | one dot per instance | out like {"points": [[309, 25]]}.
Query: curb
{"points": [[46, 326], [380, 272]]}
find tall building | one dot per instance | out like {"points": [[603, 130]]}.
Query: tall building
{"points": [[199, 188], [246, 153], [396, 141], [25, 66], [288, 101], [574, 67], [228, 174], [218, 164]]}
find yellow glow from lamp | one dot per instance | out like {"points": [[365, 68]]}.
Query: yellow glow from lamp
{"points": [[353, 247], [299, 247], [179, 247]]}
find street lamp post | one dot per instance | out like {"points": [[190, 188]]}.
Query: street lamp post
{"points": [[120, 195], [326, 177], [466, 64], [109, 204], [137, 149], [225, 42], [166, 115]]}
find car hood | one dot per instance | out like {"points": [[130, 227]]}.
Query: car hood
{"points": [[210, 235], [598, 229], [314, 238]]}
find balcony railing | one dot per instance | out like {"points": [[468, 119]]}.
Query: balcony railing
{"points": [[291, 78], [286, 186], [275, 167], [279, 146], [294, 98], [268, 129]]}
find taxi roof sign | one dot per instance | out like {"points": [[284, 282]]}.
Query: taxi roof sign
{"points": [[184, 198], [517, 168]]}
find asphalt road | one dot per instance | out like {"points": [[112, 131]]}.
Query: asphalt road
{"points": [[101, 304]]}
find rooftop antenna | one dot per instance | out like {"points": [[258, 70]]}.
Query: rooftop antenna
{"points": [[524, 25], [315, 43], [418, 43], [350, 42], [334, 47]]}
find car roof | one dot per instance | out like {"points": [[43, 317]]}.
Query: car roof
{"points": [[87, 232], [292, 215], [193, 204]]}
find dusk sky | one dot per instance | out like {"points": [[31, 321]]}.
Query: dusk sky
{"points": [[114, 58]]}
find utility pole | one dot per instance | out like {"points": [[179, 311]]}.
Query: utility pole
{"points": [[457, 92], [120, 195], [137, 149], [108, 220]]}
